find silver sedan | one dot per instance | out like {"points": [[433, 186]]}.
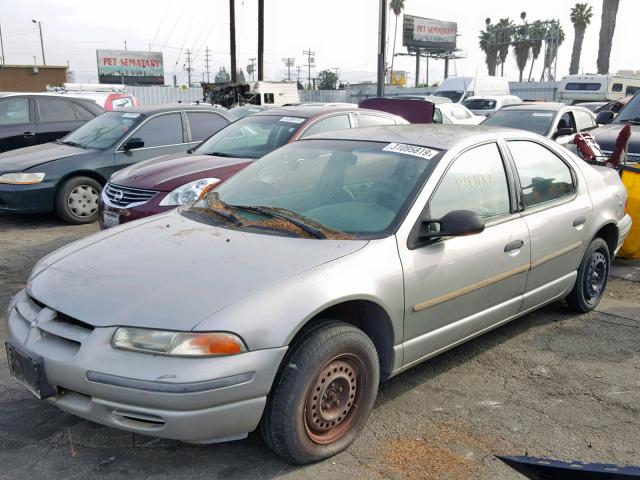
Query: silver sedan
{"points": [[282, 298]]}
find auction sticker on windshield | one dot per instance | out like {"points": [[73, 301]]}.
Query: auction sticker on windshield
{"points": [[130, 115], [292, 119], [542, 114], [415, 150]]}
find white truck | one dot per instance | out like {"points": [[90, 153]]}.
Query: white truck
{"points": [[598, 88], [458, 89]]}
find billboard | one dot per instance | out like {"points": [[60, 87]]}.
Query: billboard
{"points": [[130, 67], [429, 34]]}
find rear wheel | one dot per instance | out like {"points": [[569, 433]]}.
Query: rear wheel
{"points": [[322, 399], [77, 200], [592, 277]]}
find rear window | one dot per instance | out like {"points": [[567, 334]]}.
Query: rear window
{"points": [[478, 104], [592, 87], [533, 121], [14, 111]]}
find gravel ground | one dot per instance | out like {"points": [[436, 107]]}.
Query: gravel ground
{"points": [[550, 384]]}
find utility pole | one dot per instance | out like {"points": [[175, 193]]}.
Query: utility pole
{"points": [[2, 47], [310, 61], [251, 68], [206, 63], [188, 67], [298, 69], [417, 66], [232, 39], [382, 35], [289, 61], [125, 44], [260, 40], [44, 62]]}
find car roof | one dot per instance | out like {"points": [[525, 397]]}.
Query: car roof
{"points": [[492, 97], [441, 137], [544, 106], [311, 111], [174, 107]]}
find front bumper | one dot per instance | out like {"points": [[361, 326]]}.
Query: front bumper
{"points": [[34, 198], [188, 399], [128, 214]]}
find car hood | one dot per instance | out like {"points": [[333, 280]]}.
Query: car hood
{"points": [[607, 135], [25, 158], [171, 272], [171, 171]]}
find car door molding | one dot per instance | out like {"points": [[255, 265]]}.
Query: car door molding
{"points": [[556, 254]]}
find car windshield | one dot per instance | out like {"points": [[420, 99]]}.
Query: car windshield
{"points": [[240, 112], [630, 112], [480, 104], [340, 188], [450, 94], [251, 136], [537, 121], [104, 130]]}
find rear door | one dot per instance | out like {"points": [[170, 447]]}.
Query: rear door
{"points": [[17, 123], [557, 209], [55, 118], [202, 125], [162, 134]]}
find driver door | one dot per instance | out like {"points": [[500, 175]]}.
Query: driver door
{"points": [[457, 287]]}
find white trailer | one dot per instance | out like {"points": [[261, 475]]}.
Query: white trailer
{"points": [[598, 88]]}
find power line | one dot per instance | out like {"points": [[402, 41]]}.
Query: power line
{"points": [[188, 68], [206, 63], [289, 62], [310, 63]]}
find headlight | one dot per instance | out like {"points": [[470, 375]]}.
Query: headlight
{"points": [[21, 178], [186, 344], [188, 192]]}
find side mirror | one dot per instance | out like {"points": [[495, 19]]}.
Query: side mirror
{"points": [[564, 132], [605, 117], [457, 223], [133, 143]]}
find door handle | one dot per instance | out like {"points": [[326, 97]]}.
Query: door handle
{"points": [[515, 245], [28, 134], [579, 221]]}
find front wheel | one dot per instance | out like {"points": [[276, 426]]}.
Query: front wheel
{"points": [[591, 281], [77, 200], [324, 394]]}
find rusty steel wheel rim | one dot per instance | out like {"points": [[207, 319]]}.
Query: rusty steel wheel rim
{"points": [[333, 399]]}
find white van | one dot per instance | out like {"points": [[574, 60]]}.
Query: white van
{"points": [[598, 88], [486, 105], [274, 93], [459, 89]]}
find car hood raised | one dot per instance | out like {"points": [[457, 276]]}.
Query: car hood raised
{"points": [[171, 272], [607, 135], [28, 157], [171, 171]]}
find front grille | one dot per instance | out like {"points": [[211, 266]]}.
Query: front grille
{"points": [[52, 325], [126, 196]]}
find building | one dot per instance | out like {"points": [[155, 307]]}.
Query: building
{"points": [[31, 78]]}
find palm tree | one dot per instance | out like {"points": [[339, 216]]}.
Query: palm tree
{"points": [[607, 27], [521, 48], [581, 15], [396, 7], [504, 34], [536, 32], [488, 45]]}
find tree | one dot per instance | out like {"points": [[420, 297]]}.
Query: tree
{"points": [[328, 80], [504, 35], [396, 7], [241, 78], [554, 38], [536, 32], [581, 15], [607, 27], [222, 76], [521, 48], [488, 46]]}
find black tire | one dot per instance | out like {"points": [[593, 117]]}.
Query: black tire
{"points": [[330, 375], [77, 200], [591, 281]]}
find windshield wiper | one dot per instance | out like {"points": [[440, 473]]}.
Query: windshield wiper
{"points": [[229, 217], [276, 213]]}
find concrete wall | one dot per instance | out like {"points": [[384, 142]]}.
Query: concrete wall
{"points": [[21, 78]]}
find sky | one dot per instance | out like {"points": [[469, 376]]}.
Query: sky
{"points": [[342, 33]]}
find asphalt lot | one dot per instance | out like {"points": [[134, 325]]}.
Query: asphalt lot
{"points": [[550, 384]]}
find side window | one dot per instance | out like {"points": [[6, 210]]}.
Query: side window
{"points": [[584, 121], [631, 90], [268, 98], [161, 130], [55, 110], [373, 120], [475, 181], [337, 122], [616, 87], [437, 115], [544, 177], [81, 112], [566, 121], [14, 111], [204, 124]]}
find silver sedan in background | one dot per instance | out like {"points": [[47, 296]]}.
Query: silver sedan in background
{"points": [[283, 297]]}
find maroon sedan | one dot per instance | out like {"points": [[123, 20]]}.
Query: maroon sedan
{"points": [[163, 183]]}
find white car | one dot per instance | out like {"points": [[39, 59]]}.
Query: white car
{"points": [[454, 113], [486, 105]]}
